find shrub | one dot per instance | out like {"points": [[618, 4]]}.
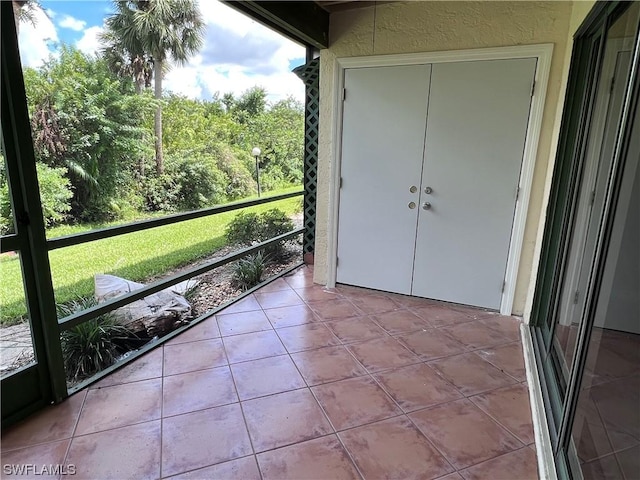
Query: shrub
{"points": [[55, 194], [201, 183], [239, 182], [274, 222], [90, 346], [160, 193], [188, 183], [249, 228], [243, 229], [248, 271]]}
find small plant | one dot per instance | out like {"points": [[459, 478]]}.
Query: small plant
{"points": [[248, 271], [248, 228], [191, 291], [274, 222], [90, 346], [243, 229]]}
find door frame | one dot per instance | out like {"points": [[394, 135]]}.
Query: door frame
{"points": [[42, 382], [543, 53]]}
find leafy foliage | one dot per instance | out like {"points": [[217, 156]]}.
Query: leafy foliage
{"points": [[251, 103], [249, 228], [90, 346], [274, 222], [135, 256], [161, 30], [187, 184], [88, 121], [92, 123], [243, 229], [279, 132], [55, 194], [247, 272]]}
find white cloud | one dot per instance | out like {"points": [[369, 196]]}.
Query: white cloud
{"points": [[218, 14], [89, 43], [36, 40], [238, 54], [72, 23]]}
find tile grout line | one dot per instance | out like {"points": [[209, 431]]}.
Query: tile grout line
{"points": [[235, 386], [162, 414], [470, 397], [493, 458], [500, 424], [75, 427], [310, 389], [209, 466], [342, 344], [435, 447], [301, 376]]}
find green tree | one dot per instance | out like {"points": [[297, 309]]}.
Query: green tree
{"points": [[89, 121], [203, 132], [251, 103], [279, 132], [136, 65], [167, 31]]}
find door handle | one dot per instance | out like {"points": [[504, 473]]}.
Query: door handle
{"points": [[428, 190], [412, 205], [413, 189], [426, 206]]}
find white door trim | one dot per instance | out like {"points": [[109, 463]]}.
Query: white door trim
{"points": [[542, 52]]}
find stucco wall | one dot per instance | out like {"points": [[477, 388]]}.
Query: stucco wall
{"points": [[407, 27], [579, 11]]}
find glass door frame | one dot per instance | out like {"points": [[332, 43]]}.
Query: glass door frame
{"points": [[586, 63], [43, 382]]}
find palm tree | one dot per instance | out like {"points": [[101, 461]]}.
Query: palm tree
{"points": [[24, 11], [137, 66], [164, 30]]}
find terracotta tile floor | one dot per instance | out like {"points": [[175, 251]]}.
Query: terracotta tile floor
{"points": [[298, 382]]}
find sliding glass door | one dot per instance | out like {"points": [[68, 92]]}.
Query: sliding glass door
{"points": [[586, 312]]}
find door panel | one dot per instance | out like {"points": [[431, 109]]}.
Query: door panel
{"points": [[476, 130], [598, 159], [382, 145]]}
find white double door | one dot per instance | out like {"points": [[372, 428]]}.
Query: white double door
{"points": [[430, 166]]}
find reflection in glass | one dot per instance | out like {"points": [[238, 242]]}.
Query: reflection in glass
{"points": [[605, 438], [612, 84], [606, 430]]}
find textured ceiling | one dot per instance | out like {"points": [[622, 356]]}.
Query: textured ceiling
{"points": [[340, 5]]}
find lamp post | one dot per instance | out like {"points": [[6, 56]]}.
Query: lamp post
{"points": [[256, 153]]}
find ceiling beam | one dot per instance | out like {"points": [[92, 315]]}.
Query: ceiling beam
{"points": [[302, 21]]}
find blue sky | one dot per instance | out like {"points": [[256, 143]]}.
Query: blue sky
{"points": [[238, 53]]}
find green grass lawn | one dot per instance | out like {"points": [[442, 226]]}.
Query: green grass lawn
{"points": [[134, 256]]}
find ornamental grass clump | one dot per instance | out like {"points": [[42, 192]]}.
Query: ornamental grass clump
{"points": [[247, 272], [91, 346]]}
